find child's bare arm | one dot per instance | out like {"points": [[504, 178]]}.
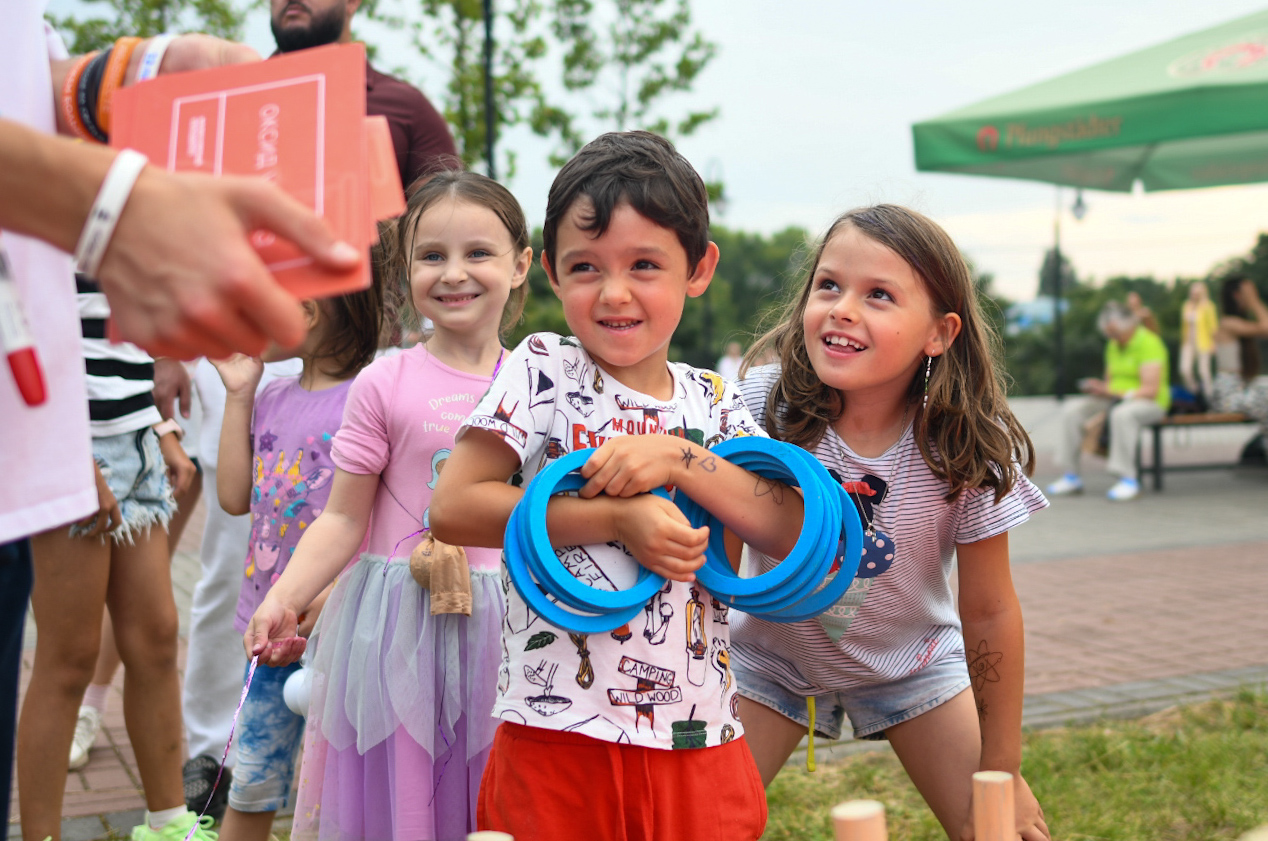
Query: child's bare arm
{"points": [[763, 513], [995, 647], [473, 503], [324, 550], [240, 374]]}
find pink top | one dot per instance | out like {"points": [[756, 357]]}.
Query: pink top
{"points": [[399, 422]]}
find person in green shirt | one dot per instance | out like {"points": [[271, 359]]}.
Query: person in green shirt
{"points": [[1135, 392]]}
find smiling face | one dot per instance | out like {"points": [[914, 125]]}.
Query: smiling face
{"points": [[623, 291], [463, 265], [869, 321]]}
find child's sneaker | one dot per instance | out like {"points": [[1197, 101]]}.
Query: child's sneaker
{"points": [[176, 829], [86, 728], [1068, 484], [199, 776], [1125, 489]]}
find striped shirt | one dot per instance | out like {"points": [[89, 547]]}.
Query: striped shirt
{"points": [[899, 616], [120, 376]]}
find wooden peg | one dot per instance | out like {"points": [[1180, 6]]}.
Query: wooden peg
{"points": [[994, 818], [489, 835], [859, 820]]}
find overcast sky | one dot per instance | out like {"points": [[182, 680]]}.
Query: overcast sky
{"points": [[817, 101]]}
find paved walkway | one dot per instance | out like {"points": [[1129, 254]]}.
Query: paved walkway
{"points": [[1129, 607]]}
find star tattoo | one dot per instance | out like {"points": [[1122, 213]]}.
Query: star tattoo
{"points": [[688, 457]]}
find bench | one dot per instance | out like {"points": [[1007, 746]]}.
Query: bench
{"points": [[1195, 421]]}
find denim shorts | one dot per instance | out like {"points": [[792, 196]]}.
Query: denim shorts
{"points": [[872, 708], [132, 465], [269, 736]]}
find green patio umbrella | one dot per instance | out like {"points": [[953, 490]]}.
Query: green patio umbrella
{"points": [[1192, 112]]}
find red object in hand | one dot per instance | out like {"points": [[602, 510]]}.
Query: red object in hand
{"points": [[15, 338]]}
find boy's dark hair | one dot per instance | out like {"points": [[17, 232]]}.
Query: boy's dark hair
{"points": [[355, 319], [642, 169]]}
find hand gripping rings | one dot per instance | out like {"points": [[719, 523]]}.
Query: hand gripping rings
{"points": [[797, 588]]}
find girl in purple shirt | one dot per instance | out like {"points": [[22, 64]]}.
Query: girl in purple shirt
{"points": [[275, 464]]}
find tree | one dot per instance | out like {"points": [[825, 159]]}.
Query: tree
{"points": [[450, 34], [625, 59], [147, 18], [1047, 278]]}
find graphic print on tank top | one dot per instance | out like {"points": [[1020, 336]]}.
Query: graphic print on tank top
{"points": [[868, 494]]}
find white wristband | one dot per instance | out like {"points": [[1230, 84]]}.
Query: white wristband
{"points": [[106, 210], [152, 60]]}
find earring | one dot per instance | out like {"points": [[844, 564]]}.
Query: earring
{"points": [[928, 369]]}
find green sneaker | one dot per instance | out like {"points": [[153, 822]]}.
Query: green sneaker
{"points": [[177, 829]]}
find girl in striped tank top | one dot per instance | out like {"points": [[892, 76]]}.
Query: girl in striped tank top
{"points": [[888, 373]]}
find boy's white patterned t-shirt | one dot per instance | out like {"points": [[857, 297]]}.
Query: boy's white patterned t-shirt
{"points": [[663, 680]]}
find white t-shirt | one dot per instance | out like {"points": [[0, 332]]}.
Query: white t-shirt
{"points": [[898, 616], [665, 679], [45, 451]]}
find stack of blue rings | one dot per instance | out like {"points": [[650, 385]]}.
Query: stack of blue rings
{"points": [[794, 590]]}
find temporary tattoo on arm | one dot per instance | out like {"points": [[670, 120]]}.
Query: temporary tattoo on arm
{"points": [[709, 463], [688, 457], [771, 488], [982, 666]]}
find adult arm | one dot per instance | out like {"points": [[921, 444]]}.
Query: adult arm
{"points": [[185, 52], [179, 272], [325, 549], [1256, 325], [1150, 382], [995, 647]]}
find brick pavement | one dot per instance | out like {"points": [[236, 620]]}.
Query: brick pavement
{"points": [[1129, 608]]}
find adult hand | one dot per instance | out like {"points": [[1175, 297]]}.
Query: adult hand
{"points": [[660, 538], [172, 387], [108, 517], [195, 51], [181, 275]]}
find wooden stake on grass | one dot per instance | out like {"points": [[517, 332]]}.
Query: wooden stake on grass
{"points": [[994, 818], [489, 835], [859, 820]]}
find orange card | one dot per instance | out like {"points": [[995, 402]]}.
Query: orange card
{"points": [[285, 120]]}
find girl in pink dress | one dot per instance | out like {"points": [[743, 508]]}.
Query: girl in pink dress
{"points": [[400, 718]]}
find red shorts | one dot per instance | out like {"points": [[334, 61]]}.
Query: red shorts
{"points": [[548, 785]]}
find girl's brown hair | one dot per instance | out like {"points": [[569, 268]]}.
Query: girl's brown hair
{"points": [[452, 184], [968, 436], [354, 322]]}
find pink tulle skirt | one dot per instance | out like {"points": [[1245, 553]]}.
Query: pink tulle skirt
{"points": [[400, 722]]}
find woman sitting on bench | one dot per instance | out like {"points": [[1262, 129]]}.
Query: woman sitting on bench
{"points": [[1239, 387], [1135, 392]]}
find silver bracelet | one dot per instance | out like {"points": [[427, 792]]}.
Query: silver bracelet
{"points": [[106, 210]]}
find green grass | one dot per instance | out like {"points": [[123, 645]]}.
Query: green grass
{"points": [[1185, 774]]}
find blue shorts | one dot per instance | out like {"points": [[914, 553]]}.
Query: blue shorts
{"points": [[132, 465], [269, 737], [872, 708]]}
